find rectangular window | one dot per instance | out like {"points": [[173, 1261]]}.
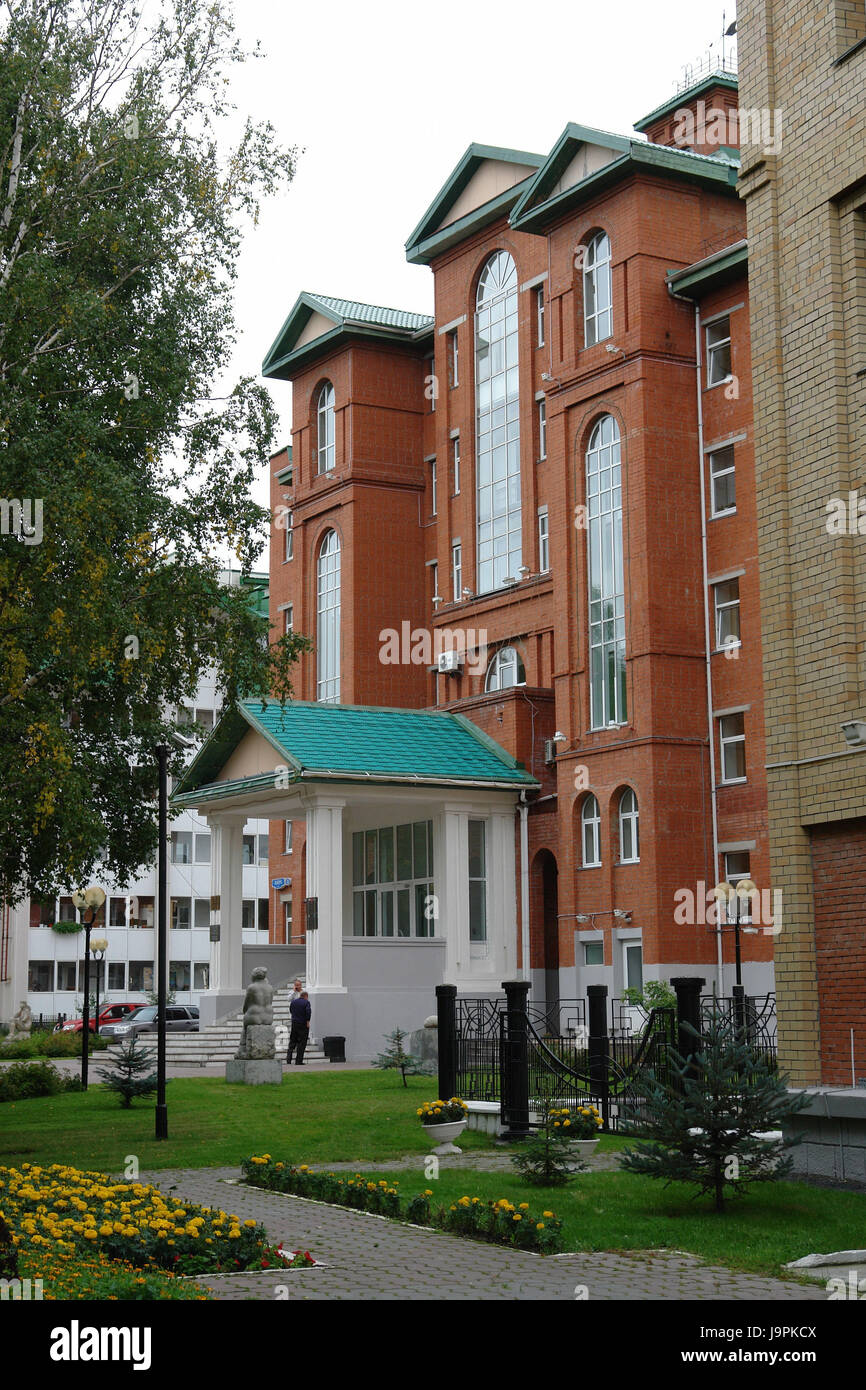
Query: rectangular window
{"points": [[455, 462], [392, 880], [201, 975], [287, 843], [201, 913], [263, 849], [543, 541], [141, 912], [66, 976], [732, 740], [737, 867], [205, 718], [434, 575], [181, 847], [117, 912], [117, 974], [477, 881], [723, 492], [67, 911], [453, 359], [40, 976], [718, 339], [288, 619], [97, 969], [264, 917], [42, 913], [593, 953], [433, 503], [726, 602], [179, 976], [202, 849], [539, 316], [456, 571], [633, 965], [248, 914], [542, 429], [290, 536], [181, 913], [287, 917], [432, 381], [249, 850], [141, 976]]}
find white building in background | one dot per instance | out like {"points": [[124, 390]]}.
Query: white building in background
{"points": [[46, 967]]}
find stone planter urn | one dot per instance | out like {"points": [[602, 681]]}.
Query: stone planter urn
{"points": [[586, 1147], [442, 1136]]}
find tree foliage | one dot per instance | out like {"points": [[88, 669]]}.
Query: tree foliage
{"points": [[129, 1073], [120, 223], [704, 1128], [395, 1058]]}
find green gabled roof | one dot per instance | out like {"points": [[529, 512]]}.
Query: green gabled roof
{"points": [[720, 78], [559, 159], [349, 317], [720, 170], [711, 272], [326, 742], [430, 238]]}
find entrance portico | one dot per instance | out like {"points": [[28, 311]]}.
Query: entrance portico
{"points": [[410, 855]]}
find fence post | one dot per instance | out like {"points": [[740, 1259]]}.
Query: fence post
{"points": [[599, 1047], [688, 991], [739, 993], [516, 1060], [446, 1015]]}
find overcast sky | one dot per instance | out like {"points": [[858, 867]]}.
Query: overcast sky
{"points": [[384, 98]]}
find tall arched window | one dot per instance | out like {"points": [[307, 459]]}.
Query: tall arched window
{"points": [[497, 424], [505, 669], [328, 620], [597, 290], [606, 585], [590, 832], [325, 425], [629, 834]]}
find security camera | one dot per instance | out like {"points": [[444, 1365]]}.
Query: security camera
{"points": [[855, 732]]}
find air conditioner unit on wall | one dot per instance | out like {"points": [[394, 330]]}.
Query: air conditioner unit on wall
{"points": [[450, 663]]}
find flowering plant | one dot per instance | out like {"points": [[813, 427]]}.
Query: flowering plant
{"points": [[585, 1122], [442, 1112]]}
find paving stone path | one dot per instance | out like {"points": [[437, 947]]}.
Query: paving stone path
{"points": [[371, 1258]]}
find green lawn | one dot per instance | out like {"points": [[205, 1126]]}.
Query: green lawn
{"points": [[363, 1115], [760, 1232]]}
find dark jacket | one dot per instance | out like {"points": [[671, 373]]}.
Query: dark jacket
{"points": [[300, 1010]]}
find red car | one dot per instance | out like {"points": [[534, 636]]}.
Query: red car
{"points": [[109, 1013]]}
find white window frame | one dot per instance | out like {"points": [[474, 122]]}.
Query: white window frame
{"points": [[542, 429], [434, 501], [629, 816], [728, 642], [328, 615], [498, 497], [597, 275], [727, 470], [590, 820], [287, 837], [608, 707], [730, 741], [454, 358], [289, 619], [455, 462], [456, 571], [505, 660], [539, 316], [739, 909], [290, 538], [434, 566], [543, 540], [713, 349], [326, 429], [631, 944]]}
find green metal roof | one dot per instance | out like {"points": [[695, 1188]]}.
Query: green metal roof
{"points": [[326, 742], [720, 78], [430, 238], [349, 317], [710, 272]]}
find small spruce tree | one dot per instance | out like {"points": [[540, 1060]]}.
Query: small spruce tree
{"points": [[704, 1128], [548, 1157], [395, 1058], [125, 1075]]}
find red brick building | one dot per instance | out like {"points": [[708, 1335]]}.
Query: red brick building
{"points": [[552, 480]]}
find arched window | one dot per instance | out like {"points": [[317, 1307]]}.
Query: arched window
{"points": [[590, 832], [325, 425], [597, 290], [328, 620], [606, 586], [505, 669], [629, 835], [497, 425]]}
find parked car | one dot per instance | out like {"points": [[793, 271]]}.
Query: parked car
{"points": [[111, 1013], [179, 1018]]}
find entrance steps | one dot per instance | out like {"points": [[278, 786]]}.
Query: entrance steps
{"points": [[218, 1042]]}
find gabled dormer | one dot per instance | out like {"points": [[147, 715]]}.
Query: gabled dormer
{"points": [[318, 323], [483, 187]]}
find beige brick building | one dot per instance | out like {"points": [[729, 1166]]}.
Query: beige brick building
{"points": [[802, 66]]}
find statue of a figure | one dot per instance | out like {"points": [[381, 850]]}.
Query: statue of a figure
{"points": [[258, 1013], [21, 1023]]}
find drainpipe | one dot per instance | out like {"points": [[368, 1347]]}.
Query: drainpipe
{"points": [[707, 628], [524, 885]]}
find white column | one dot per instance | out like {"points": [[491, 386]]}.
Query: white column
{"points": [[452, 875], [502, 896], [325, 883], [226, 963]]}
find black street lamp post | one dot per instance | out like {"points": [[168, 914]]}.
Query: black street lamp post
{"points": [[161, 1131], [91, 899]]}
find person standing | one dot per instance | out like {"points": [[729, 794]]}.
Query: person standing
{"points": [[301, 1012]]}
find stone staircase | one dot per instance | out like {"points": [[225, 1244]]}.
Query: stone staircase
{"points": [[219, 1042]]}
